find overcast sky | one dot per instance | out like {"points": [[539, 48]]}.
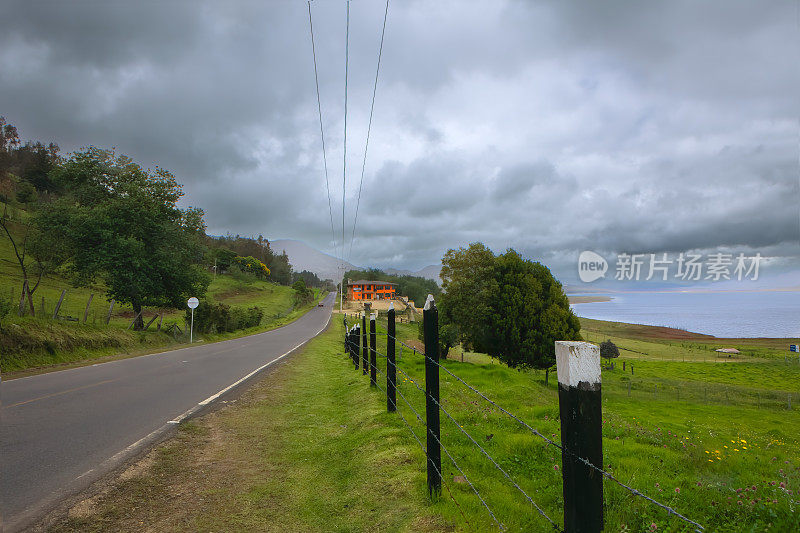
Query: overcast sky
{"points": [[550, 127]]}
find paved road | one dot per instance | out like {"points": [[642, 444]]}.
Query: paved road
{"points": [[61, 431]]}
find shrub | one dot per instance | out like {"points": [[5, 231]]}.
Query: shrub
{"points": [[26, 193], [218, 317], [608, 350], [6, 305], [302, 294]]}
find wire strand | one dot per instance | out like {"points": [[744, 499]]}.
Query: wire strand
{"points": [[344, 158], [369, 129], [589, 464], [539, 509], [321, 130], [451, 458]]}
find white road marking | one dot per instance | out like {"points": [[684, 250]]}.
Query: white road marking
{"points": [[85, 473]]}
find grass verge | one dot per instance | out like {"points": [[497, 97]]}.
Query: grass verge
{"points": [[309, 448]]}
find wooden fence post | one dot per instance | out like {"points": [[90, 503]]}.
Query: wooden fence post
{"points": [[58, 305], [88, 303], [151, 321], [580, 409], [373, 360], [110, 308], [134, 319], [430, 324], [160, 319], [364, 355], [391, 370]]}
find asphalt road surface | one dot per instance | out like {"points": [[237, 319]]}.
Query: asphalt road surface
{"points": [[61, 431]]}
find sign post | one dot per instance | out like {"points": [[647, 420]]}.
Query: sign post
{"points": [[192, 303]]}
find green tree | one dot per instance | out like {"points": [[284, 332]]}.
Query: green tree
{"points": [[302, 293], [280, 269], [37, 252], [529, 314], [26, 193], [468, 279], [608, 350], [121, 224], [223, 259], [509, 307], [252, 266]]}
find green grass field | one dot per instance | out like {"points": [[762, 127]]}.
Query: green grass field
{"points": [[720, 460]]}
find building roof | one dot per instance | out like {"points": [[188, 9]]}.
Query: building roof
{"points": [[369, 282]]}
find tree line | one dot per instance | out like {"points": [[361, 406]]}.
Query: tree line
{"points": [[95, 216]]}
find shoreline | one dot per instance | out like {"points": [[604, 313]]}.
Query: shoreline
{"points": [[588, 299]]}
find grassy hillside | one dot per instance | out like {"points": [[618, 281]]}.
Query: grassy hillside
{"points": [[730, 467], [29, 342]]}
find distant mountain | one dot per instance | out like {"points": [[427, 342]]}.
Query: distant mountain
{"points": [[304, 257]]}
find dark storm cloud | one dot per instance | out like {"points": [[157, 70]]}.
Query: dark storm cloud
{"points": [[547, 127]]}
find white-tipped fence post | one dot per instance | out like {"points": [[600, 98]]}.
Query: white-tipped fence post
{"points": [[579, 400], [430, 325]]}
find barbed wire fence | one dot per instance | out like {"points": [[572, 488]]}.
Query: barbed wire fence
{"points": [[579, 473]]}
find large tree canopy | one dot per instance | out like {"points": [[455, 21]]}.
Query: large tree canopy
{"points": [[507, 306], [123, 226]]}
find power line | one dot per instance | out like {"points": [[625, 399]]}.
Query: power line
{"points": [[369, 128], [321, 131], [344, 159]]}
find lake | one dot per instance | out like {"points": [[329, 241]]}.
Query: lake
{"points": [[722, 314]]}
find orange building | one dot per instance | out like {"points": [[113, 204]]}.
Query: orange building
{"points": [[370, 290]]}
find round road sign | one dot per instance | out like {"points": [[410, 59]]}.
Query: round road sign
{"points": [[193, 302]]}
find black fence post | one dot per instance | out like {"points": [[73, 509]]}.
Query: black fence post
{"points": [[348, 343], [430, 319], [373, 363], [346, 338], [364, 360], [391, 371], [354, 339], [579, 402]]}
